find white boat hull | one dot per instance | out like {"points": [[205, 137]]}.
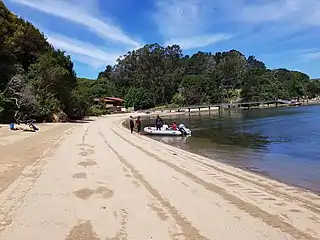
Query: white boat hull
{"points": [[165, 131]]}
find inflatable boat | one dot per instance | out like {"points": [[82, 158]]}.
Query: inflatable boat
{"points": [[165, 130]]}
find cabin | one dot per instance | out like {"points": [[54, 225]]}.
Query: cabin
{"points": [[112, 104]]}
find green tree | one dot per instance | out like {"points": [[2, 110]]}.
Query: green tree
{"points": [[103, 88], [81, 100], [53, 79], [139, 98], [178, 99]]}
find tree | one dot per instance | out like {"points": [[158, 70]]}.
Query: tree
{"points": [[230, 71], [22, 96], [151, 67], [53, 79], [313, 88], [106, 73], [81, 100], [138, 98], [103, 88], [179, 99]]}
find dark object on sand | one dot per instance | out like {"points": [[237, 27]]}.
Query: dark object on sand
{"points": [[30, 123], [131, 124]]}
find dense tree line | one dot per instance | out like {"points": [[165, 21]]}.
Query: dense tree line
{"points": [[154, 75], [38, 81]]}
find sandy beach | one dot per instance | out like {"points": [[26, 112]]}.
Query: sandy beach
{"points": [[96, 181]]}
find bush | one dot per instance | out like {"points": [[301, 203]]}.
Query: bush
{"points": [[178, 99], [138, 98], [97, 111]]}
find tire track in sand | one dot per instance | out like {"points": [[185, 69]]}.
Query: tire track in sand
{"points": [[271, 220], [189, 232]]}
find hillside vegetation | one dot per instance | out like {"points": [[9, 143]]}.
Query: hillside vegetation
{"points": [[38, 81], [154, 75], [35, 79]]}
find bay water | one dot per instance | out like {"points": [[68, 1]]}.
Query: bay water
{"points": [[282, 143]]}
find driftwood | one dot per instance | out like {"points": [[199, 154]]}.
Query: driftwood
{"points": [[22, 95]]}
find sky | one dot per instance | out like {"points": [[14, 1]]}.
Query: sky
{"points": [[281, 33]]}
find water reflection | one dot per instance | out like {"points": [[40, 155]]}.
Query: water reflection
{"points": [[282, 143], [218, 127]]}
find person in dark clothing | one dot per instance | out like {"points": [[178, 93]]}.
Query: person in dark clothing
{"points": [[138, 123], [131, 124], [159, 123]]}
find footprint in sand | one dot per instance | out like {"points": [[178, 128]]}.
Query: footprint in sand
{"points": [[86, 193], [85, 152], [80, 175], [83, 230], [87, 163]]}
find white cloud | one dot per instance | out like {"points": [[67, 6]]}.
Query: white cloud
{"points": [[269, 11], [265, 20], [186, 22], [84, 52], [77, 12], [198, 41], [177, 18], [315, 55], [302, 13]]}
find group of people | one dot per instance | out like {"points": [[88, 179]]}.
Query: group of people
{"points": [[159, 124], [138, 124]]}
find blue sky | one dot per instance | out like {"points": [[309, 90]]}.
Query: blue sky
{"points": [[282, 33]]}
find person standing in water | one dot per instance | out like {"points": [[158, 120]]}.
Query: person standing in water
{"points": [[131, 124], [159, 123], [138, 123]]}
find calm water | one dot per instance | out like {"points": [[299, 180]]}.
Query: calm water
{"points": [[283, 143]]}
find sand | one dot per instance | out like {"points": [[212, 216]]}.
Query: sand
{"points": [[95, 181]]}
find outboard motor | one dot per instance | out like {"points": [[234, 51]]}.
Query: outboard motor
{"points": [[182, 129]]}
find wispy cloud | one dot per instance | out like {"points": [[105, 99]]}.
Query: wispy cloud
{"points": [[198, 41], [279, 21], [311, 55], [84, 52], [186, 22], [264, 20], [76, 12], [286, 11]]}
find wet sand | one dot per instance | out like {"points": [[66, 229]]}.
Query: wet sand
{"points": [[97, 181]]}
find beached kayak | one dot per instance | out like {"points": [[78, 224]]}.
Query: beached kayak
{"points": [[165, 130]]}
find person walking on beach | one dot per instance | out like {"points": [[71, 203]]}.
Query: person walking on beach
{"points": [[131, 124], [159, 123], [138, 123]]}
